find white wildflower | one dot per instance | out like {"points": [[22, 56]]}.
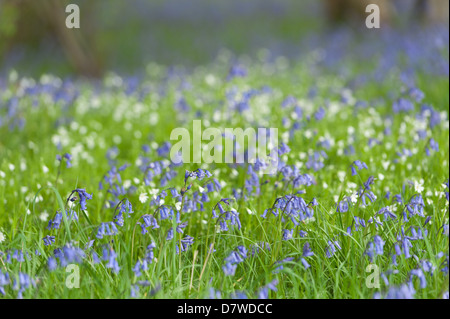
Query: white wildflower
{"points": [[143, 197]]}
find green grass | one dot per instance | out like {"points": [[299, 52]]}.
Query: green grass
{"points": [[102, 118]]}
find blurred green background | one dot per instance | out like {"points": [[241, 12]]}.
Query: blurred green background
{"points": [[126, 35]]}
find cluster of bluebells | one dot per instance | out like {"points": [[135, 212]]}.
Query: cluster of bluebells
{"points": [[55, 223], [17, 255], [186, 242], [110, 228], [375, 248], [306, 252], [331, 248], [225, 216], [66, 157], [407, 290], [20, 283], [68, 254], [291, 208], [109, 256], [231, 262], [292, 174], [113, 180], [48, 240], [197, 174], [357, 165], [142, 265], [169, 212], [261, 293], [83, 197]]}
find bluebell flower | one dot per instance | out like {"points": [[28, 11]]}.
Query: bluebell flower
{"points": [[214, 294], [18, 255], [234, 258], [263, 293], [419, 273], [416, 94], [359, 222], [316, 160], [287, 234], [236, 70], [307, 252], [283, 149], [280, 264], [349, 231], [445, 229], [422, 134], [375, 248], [111, 258], [106, 229], [319, 114], [4, 280], [197, 174], [149, 256], [331, 249], [84, 196], [95, 258], [259, 246], [137, 269], [229, 269], [342, 206], [67, 157], [242, 251], [387, 213], [406, 244], [52, 264], [369, 182], [289, 101], [165, 212], [23, 282], [432, 146], [213, 185], [349, 150], [357, 165], [402, 292], [150, 221], [416, 206], [48, 240], [134, 293], [169, 234], [56, 222], [164, 149], [435, 119], [223, 225], [427, 266], [186, 242], [364, 194], [238, 295], [119, 219], [379, 244], [402, 105], [305, 263], [444, 266]]}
